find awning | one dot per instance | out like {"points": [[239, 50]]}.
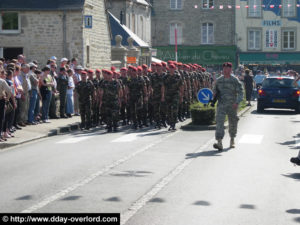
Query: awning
{"points": [[120, 29], [270, 58], [156, 60]]}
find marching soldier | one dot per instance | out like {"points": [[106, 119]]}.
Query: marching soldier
{"points": [[85, 90], [110, 100], [230, 94], [173, 95]]}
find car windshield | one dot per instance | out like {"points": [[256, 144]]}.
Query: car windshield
{"points": [[278, 83], [259, 78]]}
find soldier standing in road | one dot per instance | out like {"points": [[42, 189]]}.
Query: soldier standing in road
{"points": [[110, 100], [136, 89], [124, 111], [230, 94], [85, 90], [173, 95]]}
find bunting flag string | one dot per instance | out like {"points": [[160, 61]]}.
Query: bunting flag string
{"points": [[205, 6]]}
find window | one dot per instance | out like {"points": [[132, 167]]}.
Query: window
{"points": [[289, 8], [254, 9], [271, 39], [289, 39], [254, 39], [176, 4], [133, 28], [9, 22], [88, 55], [178, 28], [207, 33], [207, 4]]}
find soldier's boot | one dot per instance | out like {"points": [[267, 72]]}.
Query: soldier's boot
{"points": [[145, 123], [218, 145], [115, 127], [124, 123], [157, 125], [232, 143], [135, 126], [173, 127], [164, 124]]}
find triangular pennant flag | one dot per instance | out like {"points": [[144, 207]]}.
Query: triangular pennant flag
{"points": [[246, 6], [196, 6], [280, 6], [238, 6], [298, 5], [272, 6], [229, 6], [221, 6], [212, 7], [263, 6]]}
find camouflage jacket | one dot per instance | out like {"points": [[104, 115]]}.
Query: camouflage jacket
{"points": [[136, 87], [110, 91], [85, 91], [157, 83], [172, 85]]}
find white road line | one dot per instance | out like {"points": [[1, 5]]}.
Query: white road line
{"points": [[88, 179], [73, 140], [251, 139], [159, 186]]}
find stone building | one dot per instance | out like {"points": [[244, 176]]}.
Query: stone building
{"points": [[205, 30], [268, 34], [61, 28]]}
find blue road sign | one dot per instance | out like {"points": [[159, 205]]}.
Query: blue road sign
{"points": [[205, 95]]}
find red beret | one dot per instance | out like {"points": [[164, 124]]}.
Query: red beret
{"points": [[113, 68], [172, 66], [118, 73], [170, 61], [203, 69], [124, 68], [139, 68], [149, 70], [186, 66], [134, 68], [130, 67], [153, 64], [144, 66], [109, 72], [163, 63], [227, 64], [98, 71], [179, 64], [90, 71], [158, 64], [83, 72]]}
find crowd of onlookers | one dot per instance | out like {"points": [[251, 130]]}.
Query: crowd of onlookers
{"points": [[29, 93]]}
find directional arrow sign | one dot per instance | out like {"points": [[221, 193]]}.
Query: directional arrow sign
{"points": [[205, 95]]}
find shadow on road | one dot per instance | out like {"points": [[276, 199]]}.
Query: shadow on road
{"points": [[25, 197], [295, 176], [297, 219], [247, 206], [202, 203], [113, 199], [71, 198], [293, 211], [157, 200], [291, 144], [206, 153], [274, 112]]}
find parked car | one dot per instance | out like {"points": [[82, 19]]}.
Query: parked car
{"points": [[278, 92]]}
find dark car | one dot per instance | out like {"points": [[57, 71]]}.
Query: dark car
{"points": [[278, 92]]}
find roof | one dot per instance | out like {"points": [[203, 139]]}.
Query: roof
{"points": [[119, 29], [144, 2], [33, 5]]}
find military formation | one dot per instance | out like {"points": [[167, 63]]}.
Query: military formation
{"points": [[140, 96]]}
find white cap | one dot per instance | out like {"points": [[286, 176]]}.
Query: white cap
{"points": [[53, 58], [63, 59], [32, 64], [78, 67]]}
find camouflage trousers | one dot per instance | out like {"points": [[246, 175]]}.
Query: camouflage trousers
{"points": [[172, 109], [222, 111], [111, 113], [136, 107], [85, 113], [157, 110], [95, 113]]}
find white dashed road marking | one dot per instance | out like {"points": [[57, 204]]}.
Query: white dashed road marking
{"points": [[251, 139], [72, 140]]}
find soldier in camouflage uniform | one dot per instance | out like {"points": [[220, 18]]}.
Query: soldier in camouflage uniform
{"points": [[144, 112], [188, 92], [110, 100], [173, 94], [147, 78], [182, 105], [124, 111], [85, 90], [158, 92], [136, 89], [95, 98], [229, 93]]}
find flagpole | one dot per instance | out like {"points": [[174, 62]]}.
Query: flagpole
{"points": [[176, 55]]}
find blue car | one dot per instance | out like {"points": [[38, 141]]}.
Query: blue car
{"points": [[278, 92]]}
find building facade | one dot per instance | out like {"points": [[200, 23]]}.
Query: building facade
{"points": [[205, 30], [268, 34], [61, 28]]}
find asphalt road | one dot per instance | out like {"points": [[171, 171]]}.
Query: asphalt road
{"points": [[162, 178]]}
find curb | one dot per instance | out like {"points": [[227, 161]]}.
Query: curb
{"points": [[190, 127]]}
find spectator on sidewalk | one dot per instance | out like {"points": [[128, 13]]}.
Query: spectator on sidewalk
{"points": [[62, 87], [19, 91], [77, 78], [24, 103], [70, 91], [53, 106], [249, 84], [46, 92], [34, 94]]}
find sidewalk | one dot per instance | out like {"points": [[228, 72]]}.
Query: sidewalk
{"points": [[35, 132]]}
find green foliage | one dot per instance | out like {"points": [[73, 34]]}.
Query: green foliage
{"points": [[202, 114]]}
